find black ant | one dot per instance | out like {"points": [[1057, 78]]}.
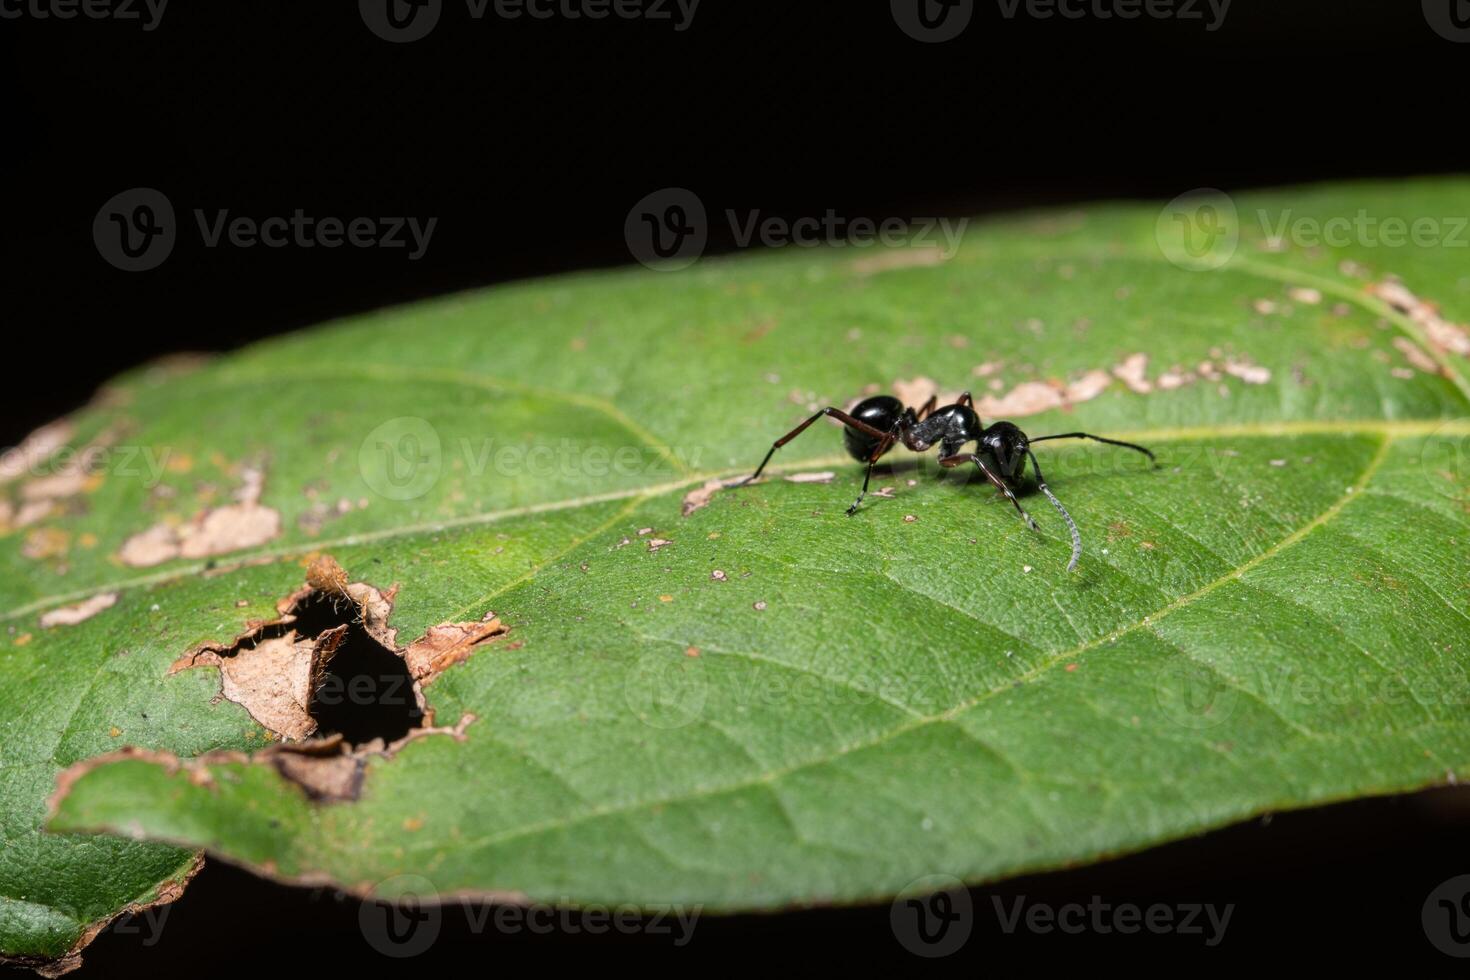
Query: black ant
{"points": [[876, 424]]}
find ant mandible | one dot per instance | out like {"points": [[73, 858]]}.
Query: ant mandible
{"points": [[876, 424]]}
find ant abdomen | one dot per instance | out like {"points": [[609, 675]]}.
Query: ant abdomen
{"points": [[879, 411]]}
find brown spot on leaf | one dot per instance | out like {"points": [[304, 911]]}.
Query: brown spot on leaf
{"points": [[1132, 371], [914, 392], [57, 486], [1027, 398], [1415, 355], [34, 450], [1251, 374], [154, 546], [904, 258], [45, 542], [700, 496], [1443, 335], [246, 523], [71, 615]]}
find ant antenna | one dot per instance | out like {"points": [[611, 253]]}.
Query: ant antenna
{"points": [[1088, 435], [1071, 526]]}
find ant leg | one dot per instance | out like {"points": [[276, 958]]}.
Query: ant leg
{"points": [[836, 413], [1076, 538], [1110, 442], [883, 447], [994, 479], [965, 399], [928, 407]]}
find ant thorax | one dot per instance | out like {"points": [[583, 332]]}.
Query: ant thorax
{"points": [[951, 426]]}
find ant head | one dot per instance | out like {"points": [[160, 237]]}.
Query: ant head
{"points": [[1005, 440]]}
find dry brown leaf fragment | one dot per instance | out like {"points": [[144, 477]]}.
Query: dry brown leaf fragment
{"points": [[700, 496], [443, 646], [34, 450], [84, 610]]}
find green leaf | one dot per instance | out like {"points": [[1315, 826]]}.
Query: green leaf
{"points": [[767, 702]]}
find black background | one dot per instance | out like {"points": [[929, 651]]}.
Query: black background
{"points": [[530, 140]]}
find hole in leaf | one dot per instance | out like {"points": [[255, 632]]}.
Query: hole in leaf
{"points": [[361, 690], [330, 672], [364, 691]]}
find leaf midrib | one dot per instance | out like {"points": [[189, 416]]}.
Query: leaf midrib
{"points": [[1390, 429]]}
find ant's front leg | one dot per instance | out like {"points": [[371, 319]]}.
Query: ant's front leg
{"points": [[1001, 485]]}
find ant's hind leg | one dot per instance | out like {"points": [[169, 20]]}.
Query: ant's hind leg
{"points": [[836, 413]]}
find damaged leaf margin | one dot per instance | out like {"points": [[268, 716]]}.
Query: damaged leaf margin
{"points": [[167, 892], [273, 680]]}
